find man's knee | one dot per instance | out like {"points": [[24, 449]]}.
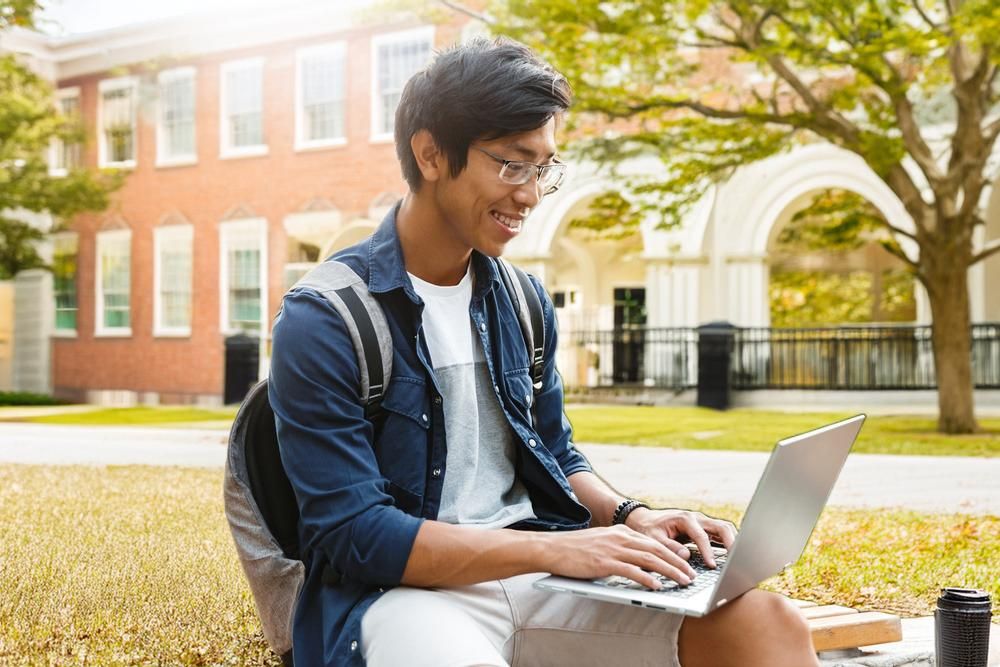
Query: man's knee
{"points": [[759, 628]]}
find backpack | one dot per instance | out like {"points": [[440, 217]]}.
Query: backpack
{"points": [[260, 505]]}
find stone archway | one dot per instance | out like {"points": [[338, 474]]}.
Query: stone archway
{"points": [[754, 201]]}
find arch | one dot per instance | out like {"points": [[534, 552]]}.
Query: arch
{"points": [[347, 235], [761, 192]]}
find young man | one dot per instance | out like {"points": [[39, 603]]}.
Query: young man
{"points": [[423, 531]]}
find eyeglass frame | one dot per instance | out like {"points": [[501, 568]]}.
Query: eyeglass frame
{"points": [[538, 167]]}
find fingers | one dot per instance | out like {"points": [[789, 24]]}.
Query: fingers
{"points": [[692, 526], [651, 555]]}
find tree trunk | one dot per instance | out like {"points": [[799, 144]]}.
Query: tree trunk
{"points": [[951, 334]]}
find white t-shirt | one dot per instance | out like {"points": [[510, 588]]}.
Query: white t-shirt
{"points": [[480, 484]]}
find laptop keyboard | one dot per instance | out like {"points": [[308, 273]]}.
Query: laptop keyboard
{"points": [[705, 577]]}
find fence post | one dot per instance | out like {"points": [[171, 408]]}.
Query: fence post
{"points": [[716, 341]]}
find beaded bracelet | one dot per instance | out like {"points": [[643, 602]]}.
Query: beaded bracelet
{"points": [[625, 508]]}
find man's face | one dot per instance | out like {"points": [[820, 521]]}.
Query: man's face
{"points": [[484, 212]]}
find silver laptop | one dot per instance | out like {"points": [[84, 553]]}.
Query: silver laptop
{"points": [[782, 514]]}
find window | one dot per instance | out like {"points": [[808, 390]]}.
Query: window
{"points": [[243, 271], [114, 277], [117, 121], [242, 108], [397, 57], [64, 258], [172, 274], [320, 96], [66, 156], [175, 138]]}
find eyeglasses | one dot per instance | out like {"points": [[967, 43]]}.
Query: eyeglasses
{"points": [[519, 172]]}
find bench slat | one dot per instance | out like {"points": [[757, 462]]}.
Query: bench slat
{"points": [[826, 611], [853, 630]]}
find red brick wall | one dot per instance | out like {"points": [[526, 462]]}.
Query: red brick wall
{"points": [[272, 186]]}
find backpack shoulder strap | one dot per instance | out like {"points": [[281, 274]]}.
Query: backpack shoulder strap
{"points": [[529, 313], [363, 316]]}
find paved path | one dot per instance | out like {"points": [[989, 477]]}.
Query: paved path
{"points": [[931, 484]]}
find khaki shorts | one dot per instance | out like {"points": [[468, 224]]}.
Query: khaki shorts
{"points": [[508, 622]]}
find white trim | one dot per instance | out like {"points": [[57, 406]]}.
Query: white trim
{"points": [[413, 34], [160, 234], [100, 331], [55, 147], [167, 75], [338, 48], [226, 230], [103, 86], [227, 152]]}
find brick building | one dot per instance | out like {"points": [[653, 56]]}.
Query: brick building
{"points": [[253, 150]]}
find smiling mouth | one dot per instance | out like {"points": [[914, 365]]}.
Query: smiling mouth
{"points": [[507, 221]]}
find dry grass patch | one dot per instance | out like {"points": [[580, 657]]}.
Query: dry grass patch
{"points": [[135, 566]]}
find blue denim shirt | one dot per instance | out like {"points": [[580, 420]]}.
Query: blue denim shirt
{"points": [[364, 490]]}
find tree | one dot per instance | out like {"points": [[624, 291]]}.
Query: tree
{"points": [[668, 77], [29, 124]]}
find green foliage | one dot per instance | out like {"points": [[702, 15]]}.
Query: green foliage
{"points": [[29, 124], [18, 13], [18, 249], [835, 220], [816, 298], [25, 398]]}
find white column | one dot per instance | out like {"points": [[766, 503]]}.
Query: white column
{"points": [[747, 302], [34, 322], [672, 301]]}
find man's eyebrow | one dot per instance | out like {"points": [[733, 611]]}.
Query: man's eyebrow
{"points": [[527, 153]]}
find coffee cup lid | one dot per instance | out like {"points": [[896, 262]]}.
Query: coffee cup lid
{"points": [[963, 598]]}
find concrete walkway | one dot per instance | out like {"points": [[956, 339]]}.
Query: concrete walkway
{"points": [[923, 483]]}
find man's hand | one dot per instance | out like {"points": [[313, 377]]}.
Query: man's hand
{"points": [[618, 550], [670, 527]]}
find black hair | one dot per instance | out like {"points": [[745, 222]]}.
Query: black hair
{"points": [[478, 90]]}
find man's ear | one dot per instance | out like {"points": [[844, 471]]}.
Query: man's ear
{"points": [[430, 160]]}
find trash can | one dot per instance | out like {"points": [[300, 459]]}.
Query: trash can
{"points": [[242, 364], [716, 341]]}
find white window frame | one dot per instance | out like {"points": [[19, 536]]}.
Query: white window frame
{"points": [[226, 151], [163, 159], [161, 235], [100, 330], [422, 33], [302, 55], [228, 230], [131, 82], [57, 239], [56, 148]]}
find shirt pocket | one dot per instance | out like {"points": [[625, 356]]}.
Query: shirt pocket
{"points": [[402, 445], [519, 391]]}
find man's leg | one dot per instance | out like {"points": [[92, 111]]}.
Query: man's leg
{"points": [[459, 627], [758, 628]]}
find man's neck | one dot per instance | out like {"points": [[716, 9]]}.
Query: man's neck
{"points": [[430, 250]]}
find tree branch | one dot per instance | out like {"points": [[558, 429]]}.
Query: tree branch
{"points": [[893, 248], [991, 248], [461, 9], [927, 19], [899, 230]]}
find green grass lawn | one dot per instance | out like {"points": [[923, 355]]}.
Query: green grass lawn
{"points": [[758, 430], [688, 428], [140, 416], [135, 566]]}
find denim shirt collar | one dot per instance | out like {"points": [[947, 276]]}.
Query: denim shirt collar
{"points": [[387, 270]]}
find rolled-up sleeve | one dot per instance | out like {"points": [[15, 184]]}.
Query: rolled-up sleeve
{"points": [[347, 514], [551, 422]]}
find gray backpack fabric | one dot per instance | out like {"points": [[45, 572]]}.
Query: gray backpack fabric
{"points": [[259, 502]]}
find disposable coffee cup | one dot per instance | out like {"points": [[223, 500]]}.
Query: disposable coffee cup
{"points": [[962, 628]]}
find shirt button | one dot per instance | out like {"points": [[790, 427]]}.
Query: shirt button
{"points": [[482, 327], [436, 472], [496, 388], [424, 417], [354, 646], [527, 399], [531, 442]]}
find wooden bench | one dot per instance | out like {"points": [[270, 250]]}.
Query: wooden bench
{"points": [[835, 628]]}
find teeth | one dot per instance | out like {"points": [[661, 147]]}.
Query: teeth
{"points": [[513, 223]]}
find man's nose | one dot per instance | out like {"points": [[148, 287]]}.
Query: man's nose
{"points": [[528, 194]]}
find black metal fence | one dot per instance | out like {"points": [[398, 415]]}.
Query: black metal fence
{"points": [[855, 357]]}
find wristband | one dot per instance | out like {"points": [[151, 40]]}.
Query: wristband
{"points": [[625, 508]]}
